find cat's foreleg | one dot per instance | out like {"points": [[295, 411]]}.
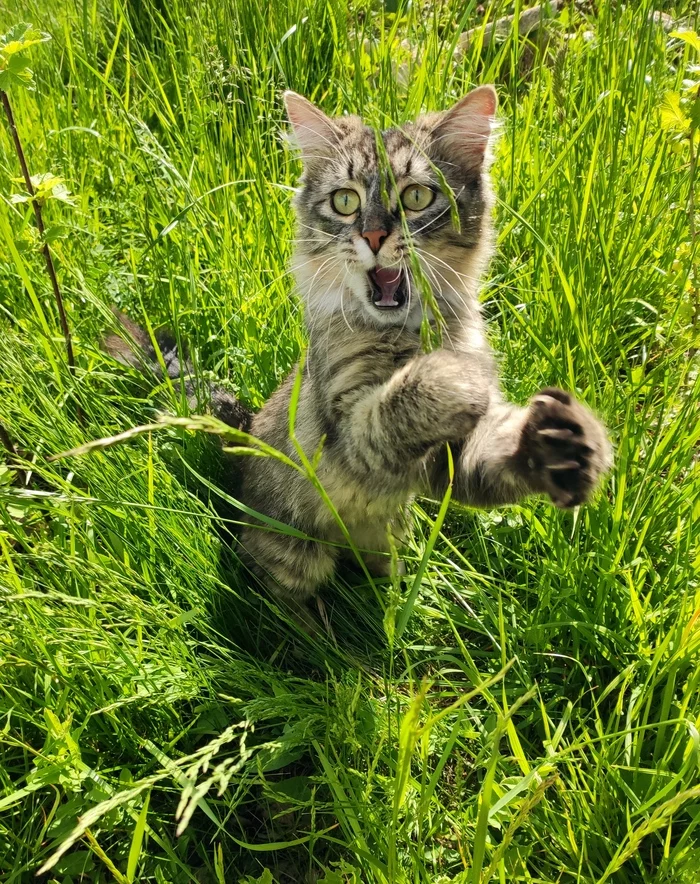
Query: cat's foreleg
{"points": [[554, 446], [389, 430]]}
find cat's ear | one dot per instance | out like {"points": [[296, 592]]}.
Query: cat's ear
{"points": [[465, 129], [313, 132]]}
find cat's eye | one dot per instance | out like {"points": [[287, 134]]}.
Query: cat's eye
{"points": [[345, 201], [417, 197]]}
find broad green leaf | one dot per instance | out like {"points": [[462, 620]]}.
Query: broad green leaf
{"points": [[14, 68], [689, 37], [55, 231], [47, 186], [672, 114], [265, 878]]}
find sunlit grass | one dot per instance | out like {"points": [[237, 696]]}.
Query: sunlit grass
{"points": [[129, 643]]}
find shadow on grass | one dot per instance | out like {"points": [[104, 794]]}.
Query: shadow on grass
{"points": [[245, 613]]}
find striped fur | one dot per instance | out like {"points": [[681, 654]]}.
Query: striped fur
{"points": [[383, 410]]}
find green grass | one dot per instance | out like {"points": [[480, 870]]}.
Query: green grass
{"points": [[140, 667]]}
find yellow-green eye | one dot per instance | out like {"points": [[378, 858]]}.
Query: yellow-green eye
{"points": [[417, 197], [345, 201]]}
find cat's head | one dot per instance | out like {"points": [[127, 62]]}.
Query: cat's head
{"points": [[352, 254]]}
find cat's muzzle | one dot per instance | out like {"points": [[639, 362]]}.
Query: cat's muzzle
{"points": [[388, 287]]}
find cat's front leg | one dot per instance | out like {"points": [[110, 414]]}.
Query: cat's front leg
{"points": [[436, 398], [554, 446]]}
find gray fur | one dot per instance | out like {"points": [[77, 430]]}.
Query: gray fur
{"points": [[387, 411], [383, 410]]}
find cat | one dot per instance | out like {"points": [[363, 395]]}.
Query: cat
{"points": [[382, 410]]}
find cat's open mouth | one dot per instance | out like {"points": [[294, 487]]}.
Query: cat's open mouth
{"points": [[387, 287]]}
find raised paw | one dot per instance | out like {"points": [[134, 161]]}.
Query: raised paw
{"points": [[563, 448]]}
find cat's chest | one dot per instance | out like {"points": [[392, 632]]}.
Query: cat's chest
{"points": [[368, 358], [365, 511]]}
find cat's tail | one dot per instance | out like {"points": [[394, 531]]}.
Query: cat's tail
{"points": [[131, 345]]}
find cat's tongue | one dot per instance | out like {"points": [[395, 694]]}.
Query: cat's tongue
{"points": [[387, 280]]}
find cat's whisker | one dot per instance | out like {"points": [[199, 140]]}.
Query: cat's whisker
{"points": [[431, 257], [435, 274], [328, 331], [310, 286], [445, 329], [460, 318], [289, 272], [444, 263], [300, 239], [342, 307], [322, 267], [318, 243], [319, 313], [322, 232], [331, 314], [447, 208]]}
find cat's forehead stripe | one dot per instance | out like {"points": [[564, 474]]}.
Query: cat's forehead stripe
{"points": [[357, 158]]}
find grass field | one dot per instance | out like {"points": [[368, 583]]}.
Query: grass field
{"points": [[161, 721]]}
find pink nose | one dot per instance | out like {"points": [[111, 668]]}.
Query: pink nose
{"points": [[375, 238]]}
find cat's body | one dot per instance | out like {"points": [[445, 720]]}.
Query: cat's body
{"points": [[377, 453], [383, 410]]}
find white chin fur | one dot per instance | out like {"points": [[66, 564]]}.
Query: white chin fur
{"points": [[395, 316], [324, 294]]}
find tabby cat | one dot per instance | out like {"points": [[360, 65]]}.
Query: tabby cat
{"points": [[385, 410]]}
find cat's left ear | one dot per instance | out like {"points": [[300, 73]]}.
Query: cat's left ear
{"points": [[314, 133], [465, 129]]}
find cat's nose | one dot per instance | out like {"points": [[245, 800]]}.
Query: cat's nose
{"points": [[374, 238]]}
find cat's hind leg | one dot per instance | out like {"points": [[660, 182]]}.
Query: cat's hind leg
{"points": [[293, 569]]}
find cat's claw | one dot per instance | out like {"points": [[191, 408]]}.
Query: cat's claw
{"points": [[553, 433], [563, 448]]}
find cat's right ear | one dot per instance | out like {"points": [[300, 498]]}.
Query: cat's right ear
{"points": [[314, 134]]}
